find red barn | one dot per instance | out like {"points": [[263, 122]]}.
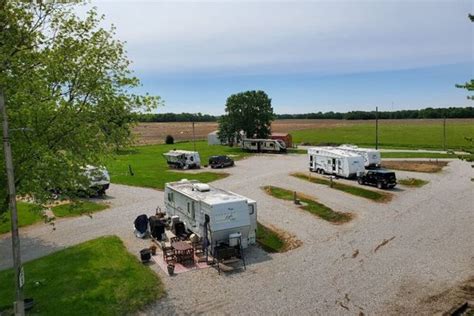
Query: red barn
{"points": [[285, 137]]}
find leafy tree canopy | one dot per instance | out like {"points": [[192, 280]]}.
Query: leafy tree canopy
{"points": [[66, 82], [250, 112]]}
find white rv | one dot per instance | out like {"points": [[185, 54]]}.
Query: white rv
{"points": [[260, 145], [335, 162], [183, 159], [214, 214], [371, 157]]}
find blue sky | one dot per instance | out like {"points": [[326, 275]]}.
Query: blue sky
{"points": [[308, 56]]}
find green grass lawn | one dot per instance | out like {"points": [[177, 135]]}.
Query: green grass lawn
{"points": [[393, 154], [412, 182], [98, 277], [309, 205], [28, 214], [78, 209], [150, 168], [268, 239], [357, 191], [413, 134]]}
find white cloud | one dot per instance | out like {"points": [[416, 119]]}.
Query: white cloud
{"points": [[267, 37]]}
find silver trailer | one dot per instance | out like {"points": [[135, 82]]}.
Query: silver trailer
{"points": [[183, 159], [263, 145], [372, 157], [333, 161], [214, 214]]}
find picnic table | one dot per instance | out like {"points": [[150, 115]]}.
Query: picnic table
{"points": [[183, 250]]}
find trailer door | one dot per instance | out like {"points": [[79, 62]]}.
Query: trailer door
{"points": [[333, 164]]}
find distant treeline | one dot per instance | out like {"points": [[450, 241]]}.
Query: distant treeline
{"points": [[176, 117], [428, 113]]}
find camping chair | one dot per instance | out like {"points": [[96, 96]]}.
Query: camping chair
{"points": [[174, 239], [198, 247], [169, 254]]}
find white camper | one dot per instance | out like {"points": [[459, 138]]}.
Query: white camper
{"points": [[371, 157], [335, 162], [183, 159], [260, 145], [214, 214]]}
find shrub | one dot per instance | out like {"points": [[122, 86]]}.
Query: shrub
{"points": [[169, 140]]}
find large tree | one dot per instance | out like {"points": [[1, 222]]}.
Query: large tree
{"points": [[250, 112], [67, 84]]}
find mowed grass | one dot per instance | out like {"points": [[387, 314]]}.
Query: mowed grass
{"points": [[28, 214], [150, 169], [309, 205], [268, 239], [78, 208], [354, 190], [408, 134], [98, 277], [393, 154], [412, 182]]}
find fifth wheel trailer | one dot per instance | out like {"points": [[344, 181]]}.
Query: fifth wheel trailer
{"points": [[214, 214], [371, 157], [335, 162]]}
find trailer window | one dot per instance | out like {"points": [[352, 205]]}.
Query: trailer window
{"points": [[193, 211], [310, 158], [188, 208], [191, 158], [252, 210], [170, 196]]}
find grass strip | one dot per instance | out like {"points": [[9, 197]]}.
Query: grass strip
{"points": [[78, 208], [310, 205], [415, 166], [98, 277], [268, 239], [28, 214], [412, 182], [357, 191]]}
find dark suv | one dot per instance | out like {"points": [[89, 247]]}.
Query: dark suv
{"points": [[220, 161], [382, 178]]}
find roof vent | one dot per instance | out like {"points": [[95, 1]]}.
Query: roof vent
{"points": [[202, 187]]}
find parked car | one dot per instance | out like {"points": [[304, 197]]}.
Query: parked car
{"points": [[382, 178], [220, 161]]}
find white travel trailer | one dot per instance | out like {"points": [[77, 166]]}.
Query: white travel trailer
{"points": [[214, 214], [260, 145], [371, 157], [183, 159], [335, 162]]}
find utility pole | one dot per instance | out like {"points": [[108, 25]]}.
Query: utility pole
{"points": [[194, 137], [376, 127], [444, 133], [19, 306]]}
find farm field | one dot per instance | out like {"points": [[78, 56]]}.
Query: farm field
{"points": [[413, 134], [393, 133], [150, 169]]}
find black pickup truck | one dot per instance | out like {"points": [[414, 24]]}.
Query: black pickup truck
{"points": [[382, 178], [220, 161]]}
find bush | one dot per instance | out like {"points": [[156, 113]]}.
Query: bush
{"points": [[169, 140]]}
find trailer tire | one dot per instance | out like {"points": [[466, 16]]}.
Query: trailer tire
{"points": [[360, 181], [379, 185]]}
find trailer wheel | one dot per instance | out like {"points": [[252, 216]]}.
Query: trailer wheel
{"points": [[379, 185], [360, 181]]}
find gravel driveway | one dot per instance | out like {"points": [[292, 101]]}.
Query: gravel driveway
{"points": [[428, 247]]}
